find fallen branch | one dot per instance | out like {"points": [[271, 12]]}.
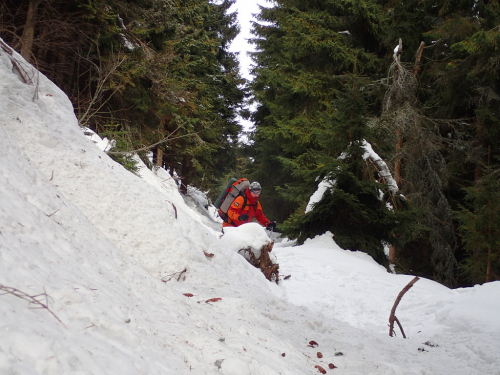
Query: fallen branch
{"points": [[53, 213], [6, 48], [392, 317], [174, 274], [400, 327], [23, 74], [175, 209], [35, 299]]}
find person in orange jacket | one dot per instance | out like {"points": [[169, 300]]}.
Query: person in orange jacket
{"points": [[245, 207]]}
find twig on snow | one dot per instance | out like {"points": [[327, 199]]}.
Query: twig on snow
{"points": [[175, 209], [171, 276], [34, 300]]}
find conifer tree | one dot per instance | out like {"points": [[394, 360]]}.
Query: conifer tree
{"points": [[480, 228], [209, 74], [313, 68], [451, 118], [304, 49]]}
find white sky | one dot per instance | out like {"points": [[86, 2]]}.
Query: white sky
{"points": [[245, 10], [140, 281]]}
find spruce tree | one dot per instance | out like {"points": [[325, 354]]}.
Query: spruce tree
{"points": [[480, 228], [208, 75], [315, 66], [304, 49]]}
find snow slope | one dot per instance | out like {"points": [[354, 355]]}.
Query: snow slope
{"points": [[117, 257]]}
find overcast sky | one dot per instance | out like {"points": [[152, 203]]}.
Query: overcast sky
{"points": [[245, 10]]}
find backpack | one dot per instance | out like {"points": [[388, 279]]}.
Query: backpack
{"points": [[233, 189]]}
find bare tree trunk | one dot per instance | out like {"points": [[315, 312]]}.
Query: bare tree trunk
{"points": [[169, 164], [490, 251], [488, 265], [399, 146], [392, 254], [480, 136], [186, 163], [159, 157], [418, 58], [399, 143], [29, 30], [397, 178], [399, 135]]}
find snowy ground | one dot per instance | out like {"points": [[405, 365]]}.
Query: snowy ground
{"points": [[124, 264]]}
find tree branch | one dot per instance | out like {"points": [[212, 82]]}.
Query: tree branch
{"points": [[146, 148], [392, 317]]}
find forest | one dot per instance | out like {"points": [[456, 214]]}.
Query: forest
{"points": [[417, 82]]}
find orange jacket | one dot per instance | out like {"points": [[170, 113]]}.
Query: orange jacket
{"points": [[252, 209]]}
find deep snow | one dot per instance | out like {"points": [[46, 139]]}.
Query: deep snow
{"points": [[119, 257]]}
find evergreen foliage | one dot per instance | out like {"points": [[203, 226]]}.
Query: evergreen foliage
{"points": [[480, 228], [423, 178], [322, 88], [300, 64], [313, 86]]}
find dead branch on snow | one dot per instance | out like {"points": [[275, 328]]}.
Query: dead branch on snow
{"points": [[392, 317], [41, 301]]}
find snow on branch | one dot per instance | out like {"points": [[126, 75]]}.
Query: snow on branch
{"points": [[323, 186], [382, 167], [126, 42], [370, 154]]}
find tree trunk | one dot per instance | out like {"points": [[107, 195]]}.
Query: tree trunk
{"points": [[416, 69], [392, 254], [29, 30], [490, 234], [399, 137], [399, 143], [488, 265], [159, 157], [397, 167], [186, 164], [480, 137]]}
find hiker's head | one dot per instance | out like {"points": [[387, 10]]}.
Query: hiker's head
{"points": [[255, 189]]}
